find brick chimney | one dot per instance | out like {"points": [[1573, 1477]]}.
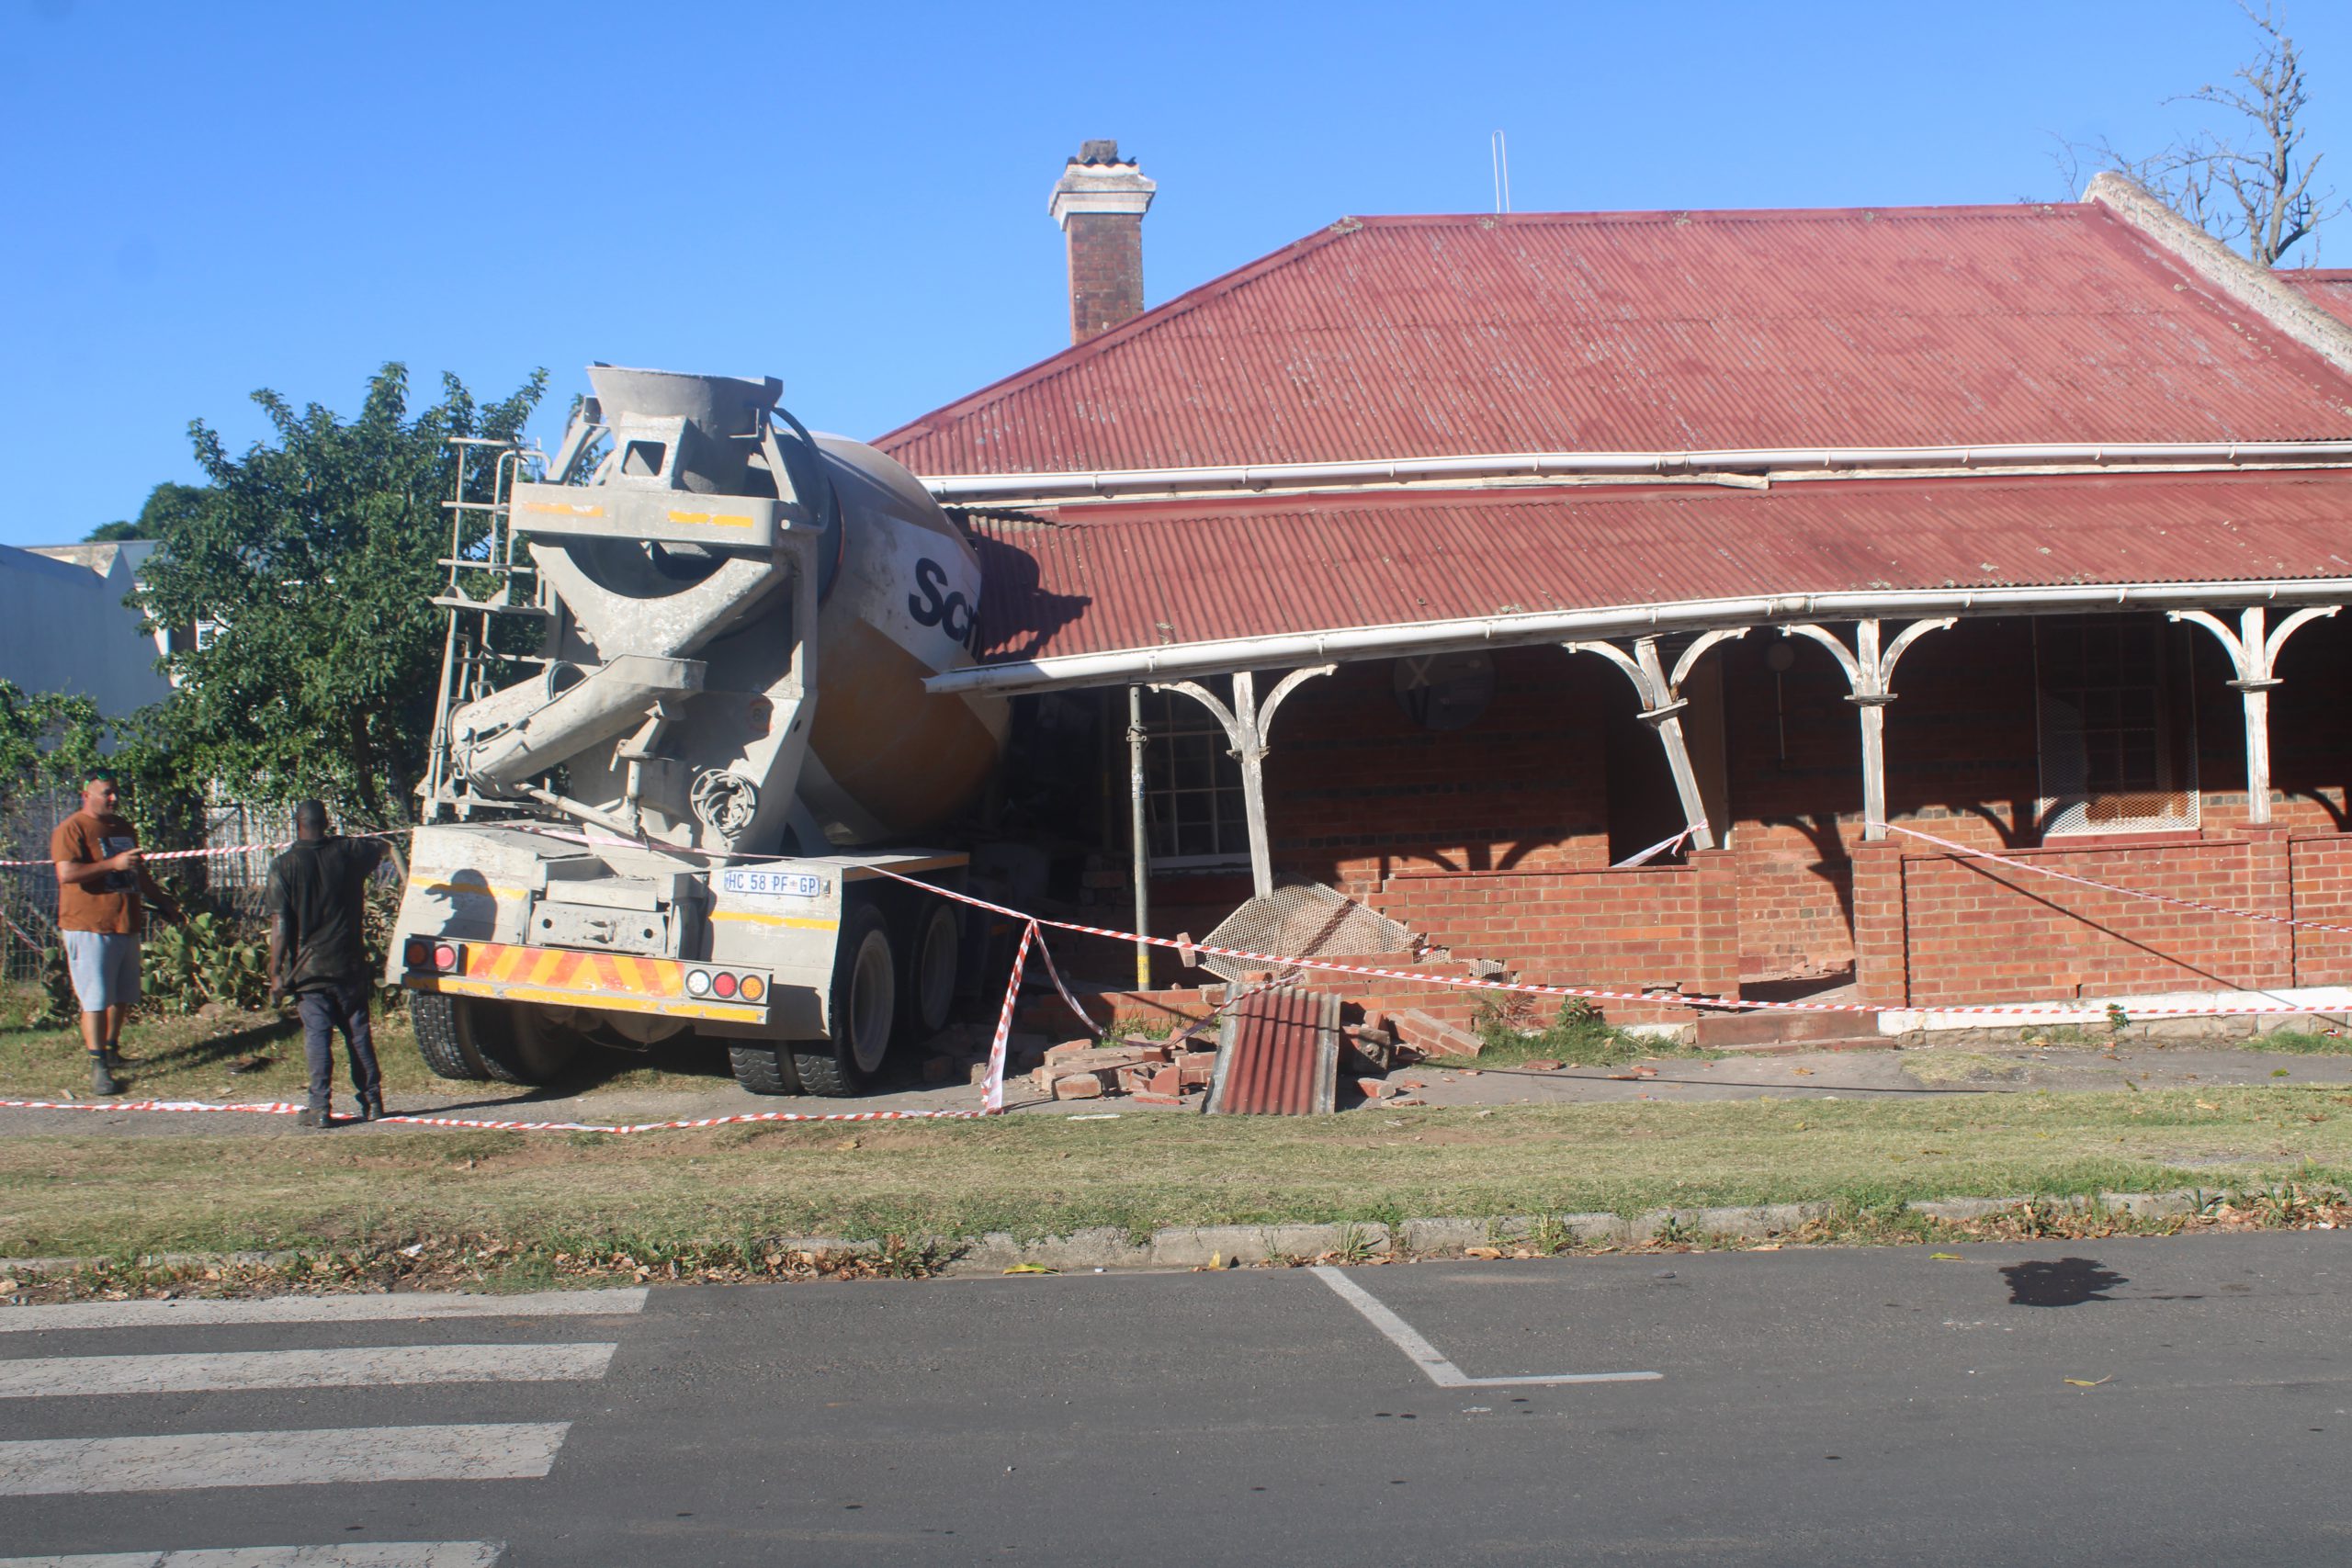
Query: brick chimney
{"points": [[1100, 202]]}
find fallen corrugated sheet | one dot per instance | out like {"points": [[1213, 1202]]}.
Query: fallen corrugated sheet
{"points": [[1432, 336], [1277, 1054], [1130, 576]]}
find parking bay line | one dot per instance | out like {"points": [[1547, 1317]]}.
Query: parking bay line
{"points": [[366, 1366], [390, 1307], [1424, 1355], [343, 1554], [501, 1451]]}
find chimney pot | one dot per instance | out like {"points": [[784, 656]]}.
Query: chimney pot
{"points": [[1100, 202]]}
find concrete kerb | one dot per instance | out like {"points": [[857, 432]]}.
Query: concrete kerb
{"points": [[1197, 1246]]}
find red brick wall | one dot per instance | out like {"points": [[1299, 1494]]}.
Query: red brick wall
{"points": [[1611, 930], [1981, 932], [1105, 271], [1358, 793], [2322, 883]]}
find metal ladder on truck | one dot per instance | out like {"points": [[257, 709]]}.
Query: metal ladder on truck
{"points": [[471, 660]]}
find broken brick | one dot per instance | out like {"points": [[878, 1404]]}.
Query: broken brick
{"points": [[1372, 1088], [1077, 1086]]}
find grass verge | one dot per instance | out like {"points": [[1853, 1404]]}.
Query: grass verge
{"points": [[258, 1055], [1033, 1175]]}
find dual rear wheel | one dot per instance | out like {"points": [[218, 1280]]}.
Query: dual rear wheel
{"points": [[474, 1040], [887, 989]]}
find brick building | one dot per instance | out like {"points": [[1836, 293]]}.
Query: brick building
{"points": [[1455, 562]]}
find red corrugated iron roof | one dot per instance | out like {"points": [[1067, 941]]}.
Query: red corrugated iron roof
{"points": [[1426, 336], [1105, 578], [2329, 287]]}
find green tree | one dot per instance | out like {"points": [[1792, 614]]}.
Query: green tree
{"points": [[313, 563], [47, 740], [166, 503]]}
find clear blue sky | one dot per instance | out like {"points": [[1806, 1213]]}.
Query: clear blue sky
{"points": [[206, 199]]}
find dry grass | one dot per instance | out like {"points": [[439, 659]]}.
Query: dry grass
{"points": [[192, 1059], [1036, 1175]]}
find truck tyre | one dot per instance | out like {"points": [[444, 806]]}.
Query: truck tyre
{"points": [[929, 1001], [865, 1001], [434, 1017], [762, 1069], [514, 1045]]}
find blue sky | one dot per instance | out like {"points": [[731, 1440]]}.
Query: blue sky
{"points": [[204, 200]]}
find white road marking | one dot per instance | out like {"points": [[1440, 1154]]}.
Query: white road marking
{"points": [[321, 1309], [366, 1366], [49, 1467], [1423, 1354], [348, 1554]]}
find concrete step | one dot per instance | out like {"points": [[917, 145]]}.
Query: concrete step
{"points": [[1809, 1030]]}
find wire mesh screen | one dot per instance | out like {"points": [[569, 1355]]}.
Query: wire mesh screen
{"points": [[1305, 920]]}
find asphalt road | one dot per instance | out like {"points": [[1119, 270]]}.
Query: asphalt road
{"points": [[1813, 1407]]}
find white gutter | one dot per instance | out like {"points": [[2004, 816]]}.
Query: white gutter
{"points": [[1135, 666], [1250, 478]]}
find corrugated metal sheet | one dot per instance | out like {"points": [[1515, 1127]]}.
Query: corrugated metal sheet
{"points": [[2330, 288], [1417, 336], [1134, 577], [1278, 1054]]}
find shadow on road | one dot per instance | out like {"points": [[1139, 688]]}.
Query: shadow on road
{"points": [[2069, 1281]]}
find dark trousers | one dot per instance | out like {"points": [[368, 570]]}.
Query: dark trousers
{"points": [[339, 1004]]}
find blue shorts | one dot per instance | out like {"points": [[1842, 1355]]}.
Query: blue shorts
{"points": [[105, 966]]}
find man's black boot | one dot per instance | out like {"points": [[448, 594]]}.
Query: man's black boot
{"points": [[317, 1117], [101, 1080], [371, 1108]]}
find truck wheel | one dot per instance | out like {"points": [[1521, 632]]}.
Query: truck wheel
{"points": [[515, 1046], [762, 1069], [434, 1019], [865, 1001], [930, 999]]}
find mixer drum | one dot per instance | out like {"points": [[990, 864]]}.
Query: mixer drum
{"points": [[901, 600]]}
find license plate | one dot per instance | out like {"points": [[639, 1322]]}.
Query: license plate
{"points": [[772, 883]]}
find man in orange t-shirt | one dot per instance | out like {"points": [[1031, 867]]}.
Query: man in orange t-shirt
{"points": [[100, 883]]}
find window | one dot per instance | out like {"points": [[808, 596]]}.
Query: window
{"points": [[1192, 787], [2118, 725]]}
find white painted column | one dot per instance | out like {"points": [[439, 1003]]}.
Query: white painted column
{"points": [[2255, 656], [1246, 725], [1870, 677], [1662, 705]]}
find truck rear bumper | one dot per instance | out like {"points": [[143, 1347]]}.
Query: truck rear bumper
{"points": [[601, 982]]}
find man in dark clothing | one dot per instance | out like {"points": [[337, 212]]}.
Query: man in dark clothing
{"points": [[318, 952]]}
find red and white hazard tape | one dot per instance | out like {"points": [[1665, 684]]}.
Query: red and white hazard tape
{"points": [[222, 852], [2039, 1011], [2053, 871], [284, 1108]]}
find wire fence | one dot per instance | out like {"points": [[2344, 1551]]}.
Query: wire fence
{"points": [[234, 882]]}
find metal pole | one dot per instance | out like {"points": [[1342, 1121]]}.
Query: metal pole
{"points": [[1141, 867]]}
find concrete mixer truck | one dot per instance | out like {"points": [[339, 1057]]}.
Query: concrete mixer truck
{"points": [[721, 624]]}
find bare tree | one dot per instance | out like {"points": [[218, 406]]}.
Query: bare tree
{"points": [[2250, 184]]}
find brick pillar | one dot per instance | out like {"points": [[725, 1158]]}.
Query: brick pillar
{"points": [[2271, 947], [1881, 935], [1715, 930], [1100, 202]]}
